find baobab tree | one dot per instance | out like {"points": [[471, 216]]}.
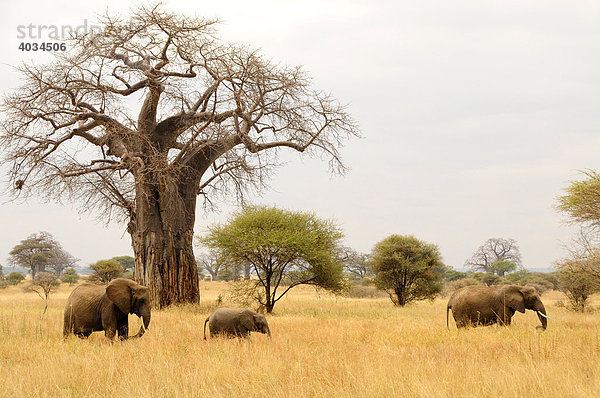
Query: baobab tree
{"points": [[492, 251], [140, 118]]}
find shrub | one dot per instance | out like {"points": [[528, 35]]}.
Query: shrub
{"points": [[453, 275], [70, 276], [491, 279], [577, 284], [515, 277], [14, 278]]}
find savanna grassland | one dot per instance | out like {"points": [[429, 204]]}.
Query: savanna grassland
{"points": [[321, 346]]}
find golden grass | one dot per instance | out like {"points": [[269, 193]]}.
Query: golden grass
{"points": [[321, 346]]}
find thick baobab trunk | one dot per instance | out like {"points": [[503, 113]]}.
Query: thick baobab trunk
{"points": [[162, 237]]}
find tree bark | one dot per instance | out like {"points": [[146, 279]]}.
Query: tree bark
{"points": [[162, 230]]}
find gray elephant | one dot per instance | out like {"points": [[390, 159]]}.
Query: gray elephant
{"points": [[236, 322], [486, 305], [92, 308]]}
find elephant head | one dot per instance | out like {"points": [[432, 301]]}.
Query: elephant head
{"points": [[131, 298], [520, 298], [255, 322]]}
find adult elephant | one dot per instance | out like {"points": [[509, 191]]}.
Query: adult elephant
{"points": [[236, 322], [486, 305], [92, 308]]}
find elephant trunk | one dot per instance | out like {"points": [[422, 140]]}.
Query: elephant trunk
{"points": [[541, 313]]}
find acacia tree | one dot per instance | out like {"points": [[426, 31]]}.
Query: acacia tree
{"points": [[212, 119], [127, 262], [502, 267], [407, 269], [40, 251], [105, 271], [493, 250], [33, 253], [581, 201], [280, 245]]}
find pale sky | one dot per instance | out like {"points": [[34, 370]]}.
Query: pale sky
{"points": [[475, 114]]}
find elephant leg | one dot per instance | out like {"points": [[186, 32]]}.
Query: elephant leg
{"points": [[123, 331], [110, 332], [83, 335]]}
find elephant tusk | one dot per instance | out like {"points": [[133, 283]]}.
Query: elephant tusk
{"points": [[545, 316]]}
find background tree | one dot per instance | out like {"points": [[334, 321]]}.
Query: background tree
{"points": [[15, 277], [105, 271], [494, 249], [355, 264], [40, 251], [33, 253], [502, 267], [407, 269], [70, 276], [213, 119], [451, 274], [212, 262], [44, 284], [577, 283], [127, 262], [61, 260], [281, 244], [490, 279]]}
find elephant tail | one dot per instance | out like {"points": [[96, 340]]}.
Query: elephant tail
{"points": [[205, 327], [447, 310], [68, 324]]}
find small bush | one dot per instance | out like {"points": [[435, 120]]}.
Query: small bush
{"points": [[453, 275], [578, 285], [491, 279], [3, 284], [14, 278], [70, 276]]}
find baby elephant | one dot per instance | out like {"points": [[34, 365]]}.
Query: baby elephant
{"points": [[236, 322]]}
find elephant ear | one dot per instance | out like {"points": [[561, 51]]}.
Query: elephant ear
{"points": [[119, 292], [513, 298], [247, 320]]}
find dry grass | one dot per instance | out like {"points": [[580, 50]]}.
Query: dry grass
{"points": [[321, 346]]}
